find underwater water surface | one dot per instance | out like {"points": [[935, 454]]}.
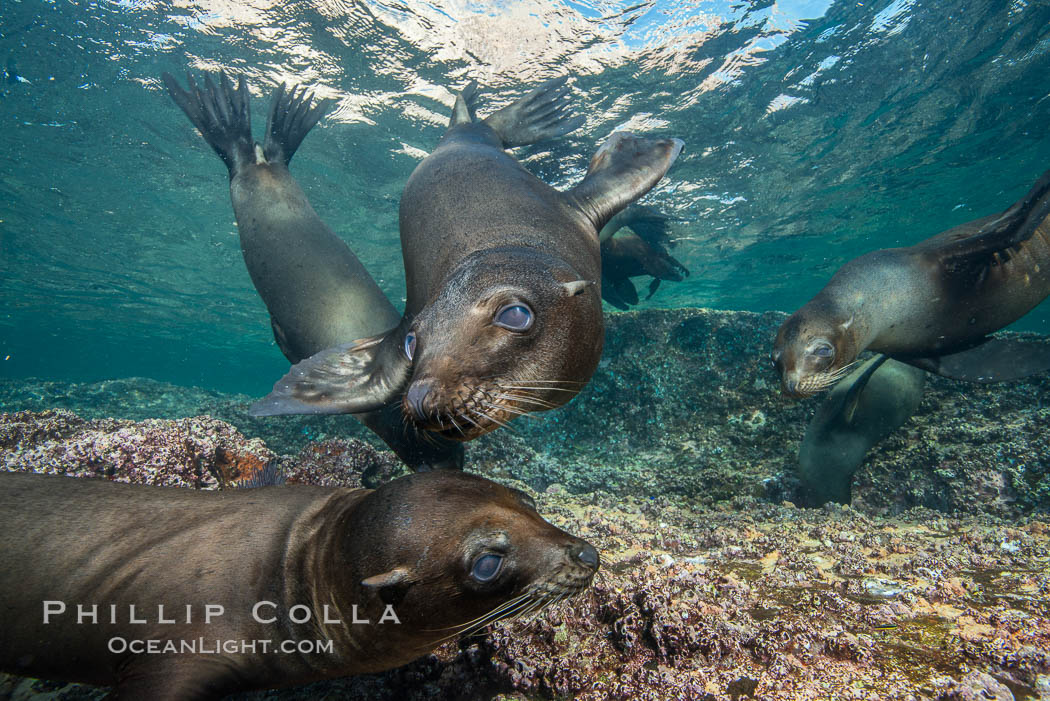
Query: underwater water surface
{"points": [[815, 131]]}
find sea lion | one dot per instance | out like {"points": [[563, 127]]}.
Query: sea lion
{"points": [[861, 410], [503, 314], [634, 243], [931, 305], [117, 584], [317, 292]]}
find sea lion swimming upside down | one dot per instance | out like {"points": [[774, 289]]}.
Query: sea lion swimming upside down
{"points": [[317, 292], [503, 315], [931, 305]]}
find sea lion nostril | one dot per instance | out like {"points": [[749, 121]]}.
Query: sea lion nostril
{"points": [[416, 397], [587, 555]]}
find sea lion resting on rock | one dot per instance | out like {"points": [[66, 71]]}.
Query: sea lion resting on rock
{"points": [[865, 407], [316, 290], [503, 314], [170, 594], [931, 305]]}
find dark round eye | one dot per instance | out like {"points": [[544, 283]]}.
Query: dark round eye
{"points": [[823, 351], [410, 345], [516, 317], [486, 567]]}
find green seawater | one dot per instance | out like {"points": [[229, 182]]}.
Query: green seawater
{"points": [[815, 131]]}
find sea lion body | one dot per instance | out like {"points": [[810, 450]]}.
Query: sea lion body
{"points": [[404, 555], [931, 305], [862, 409], [634, 243], [316, 290], [503, 312]]}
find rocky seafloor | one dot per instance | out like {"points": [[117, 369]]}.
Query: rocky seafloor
{"points": [[677, 463]]}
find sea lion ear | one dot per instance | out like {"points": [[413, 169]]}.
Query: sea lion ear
{"points": [[624, 168], [349, 379], [398, 575], [389, 586], [576, 286]]}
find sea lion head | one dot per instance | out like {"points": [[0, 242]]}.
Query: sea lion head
{"points": [[510, 331], [814, 349], [451, 552]]}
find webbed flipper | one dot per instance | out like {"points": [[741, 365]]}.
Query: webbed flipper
{"points": [[542, 114], [624, 168], [352, 378], [974, 250], [463, 110], [221, 114], [995, 360], [866, 406], [291, 116]]}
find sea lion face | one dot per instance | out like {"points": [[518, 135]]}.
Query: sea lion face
{"points": [[454, 552], [811, 354], [508, 333]]}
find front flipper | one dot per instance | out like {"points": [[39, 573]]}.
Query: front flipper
{"points": [[995, 360], [624, 168], [348, 379], [542, 114]]}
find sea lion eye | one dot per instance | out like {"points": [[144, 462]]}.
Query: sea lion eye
{"points": [[823, 350], [516, 317], [410, 345], [486, 567]]}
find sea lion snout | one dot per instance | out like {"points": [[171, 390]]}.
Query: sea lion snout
{"points": [[587, 555]]}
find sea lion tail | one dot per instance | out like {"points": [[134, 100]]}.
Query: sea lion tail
{"points": [[291, 117], [624, 168], [220, 113], [542, 114]]}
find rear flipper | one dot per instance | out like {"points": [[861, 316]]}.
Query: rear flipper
{"points": [[995, 360], [353, 378], [221, 114], [291, 118], [624, 168], [542, 114]]}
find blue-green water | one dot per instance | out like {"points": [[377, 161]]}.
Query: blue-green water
{"points": [[815, 131]]}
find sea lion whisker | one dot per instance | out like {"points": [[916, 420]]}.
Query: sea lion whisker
{"points": [[512, 410], [526, 398], [542, 388], [476, 625], [493, 419], [507, 604], [558, 382]]}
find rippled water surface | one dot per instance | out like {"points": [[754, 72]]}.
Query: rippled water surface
{"points": [[815, 131]]}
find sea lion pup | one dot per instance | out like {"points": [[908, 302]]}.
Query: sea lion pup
{"points": [[634, 243], [117, 584], [931, 305], [865, 407], [503, 314], [317, 292]]}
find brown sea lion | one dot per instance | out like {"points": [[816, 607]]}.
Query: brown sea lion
{"points": [[183, 595], [931, 305], [503, 315], [317, 292], [633, 244]]}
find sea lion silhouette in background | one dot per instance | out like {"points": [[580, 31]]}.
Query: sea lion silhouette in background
{"points": [[931, 305], [444, 552], [635, 243], [865, 407], [317, 292], [504, 311]]}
